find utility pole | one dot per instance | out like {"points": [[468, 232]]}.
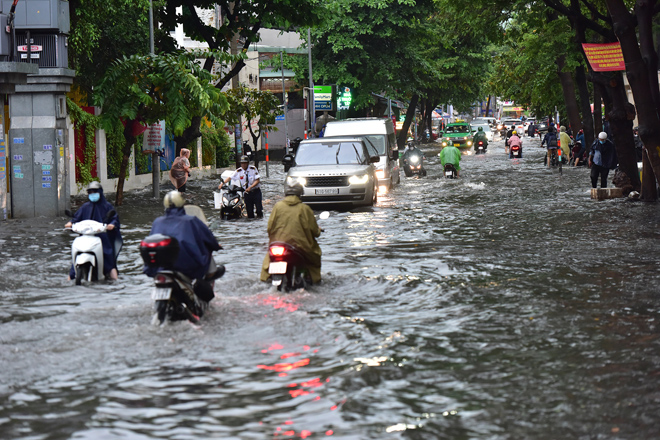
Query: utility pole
{"points": [[285, 106], [155, 158], [311, 106], [238, 141]]}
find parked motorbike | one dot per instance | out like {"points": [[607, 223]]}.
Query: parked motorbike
{"points": [[450, 171], [414, 164], [480, 148], [176, 297], [232, 205], [288, 266], [87, 249]]}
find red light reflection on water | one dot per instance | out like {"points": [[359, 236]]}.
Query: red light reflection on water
{"points": [[296, 389], [279, 303]]}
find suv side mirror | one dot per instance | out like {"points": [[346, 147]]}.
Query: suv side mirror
{"points": [[288, 162], [374, 159]]}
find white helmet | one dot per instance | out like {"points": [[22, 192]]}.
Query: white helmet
{"points": [[173, 199]]}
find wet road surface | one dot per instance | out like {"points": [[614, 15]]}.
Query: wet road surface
{"points": [[503, 305]]}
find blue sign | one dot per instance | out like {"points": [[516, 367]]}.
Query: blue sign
{"points": [[45, 185], [323, 105], [279, 118], [47, 178], [46, 173], [48, 147], [18, 157], [19, 140]]}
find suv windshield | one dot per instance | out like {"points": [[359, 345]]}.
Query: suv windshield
{"points": [[457, 129], [330, 153]]}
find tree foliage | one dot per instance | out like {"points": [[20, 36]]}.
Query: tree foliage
{"points": [[147, 89], [251, 104]]}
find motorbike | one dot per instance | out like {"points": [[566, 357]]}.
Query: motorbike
{"points": [[516, 151], [87, 249], [575, 159], [176, 297], [287, 267], [450, 171], [232, 205], [414, 164], [480, 148]]}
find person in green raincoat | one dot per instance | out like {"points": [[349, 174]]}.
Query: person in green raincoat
{"points": [[452, 155], [293, 222], [480, 136]]}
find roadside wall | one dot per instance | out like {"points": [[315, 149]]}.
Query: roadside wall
{"points": [[134, 181]]}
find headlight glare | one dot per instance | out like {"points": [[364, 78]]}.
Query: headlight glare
{"points": [[358, 180], [291, 180]]}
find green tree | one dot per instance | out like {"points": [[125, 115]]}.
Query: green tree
{"points": [[142, 90], [252, 104]]}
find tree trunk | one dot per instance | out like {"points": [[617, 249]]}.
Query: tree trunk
{"points": [[621, 118], [190, 134], [585, 105], [638, 78], [410, 114], [488, 105], [568, 89], [644, 10], [123, 167], [598, 111]]}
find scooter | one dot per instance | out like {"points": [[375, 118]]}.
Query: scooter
{"points": [[450, 171], [288, 266], [87, 249], [232, 205], [515, 152], [480, 148], [414, 164]]}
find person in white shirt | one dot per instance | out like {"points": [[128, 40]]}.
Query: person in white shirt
{"points": [[247, 177]]}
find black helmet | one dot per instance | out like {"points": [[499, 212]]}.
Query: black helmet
{"points": [[294, 190]]}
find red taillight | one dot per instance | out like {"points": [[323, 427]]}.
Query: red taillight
{"points": [[481, 143], [165, 242], [277, 251], [162, 279]]}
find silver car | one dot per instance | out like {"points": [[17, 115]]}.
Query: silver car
{"points": [[335, 171]]}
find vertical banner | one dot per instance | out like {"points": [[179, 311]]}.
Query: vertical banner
{"points": [[604, 57]]}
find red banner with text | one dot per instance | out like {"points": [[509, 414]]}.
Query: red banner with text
{"points": [[604, 57]]}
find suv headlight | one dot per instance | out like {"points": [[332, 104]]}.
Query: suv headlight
{"points": [[291, 180], [380, 174], [358, 180]]}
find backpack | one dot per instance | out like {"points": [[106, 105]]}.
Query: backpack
{"points": [[552, 140]]}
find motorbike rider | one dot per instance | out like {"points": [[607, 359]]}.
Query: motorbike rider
{"points": [[514, 140], [293, 222], [196, 245], [411, 150], [565, 142], [248, 178], [579, 139], [97, 209], [551, 140], [480, 135], [452, 155]]}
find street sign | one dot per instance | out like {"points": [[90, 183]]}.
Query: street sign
{"points": [[324, 98]]}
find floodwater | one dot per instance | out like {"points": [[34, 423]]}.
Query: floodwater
{"points": [[503, 305]]}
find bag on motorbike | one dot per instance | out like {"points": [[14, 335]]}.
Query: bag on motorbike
{"points": [[552, 140]]}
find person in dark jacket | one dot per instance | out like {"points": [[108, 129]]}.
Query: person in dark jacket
{"points": [[602, 159], [97, 209], [196, 241]]}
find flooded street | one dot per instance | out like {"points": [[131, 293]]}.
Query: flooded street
{"points": [[503, 305]]}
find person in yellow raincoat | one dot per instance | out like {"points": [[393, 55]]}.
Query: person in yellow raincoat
{"points": [[293, 222]]}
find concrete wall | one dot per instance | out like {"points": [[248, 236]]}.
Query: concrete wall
{"points": [[134, 181]]}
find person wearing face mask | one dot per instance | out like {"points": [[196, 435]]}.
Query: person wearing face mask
{"points": [[97, 209], [602, 159]]}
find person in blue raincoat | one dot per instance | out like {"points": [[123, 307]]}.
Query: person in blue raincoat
{"points": [[97, 209], [196, 241]]}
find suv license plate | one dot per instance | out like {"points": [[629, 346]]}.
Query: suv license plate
{"points": [[277, 267], [327, 191], [161, 293]]}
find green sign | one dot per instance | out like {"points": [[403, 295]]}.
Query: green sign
{"points": [[344, 98], [323, 98]]}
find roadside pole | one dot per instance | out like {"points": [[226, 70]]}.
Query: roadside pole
{"points": [[285, 107], [155, 158], [267, 158], [310, 96]]}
